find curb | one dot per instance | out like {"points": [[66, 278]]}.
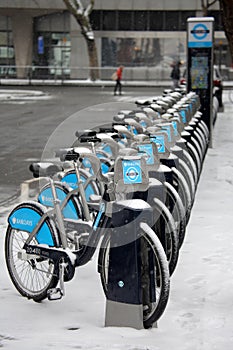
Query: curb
{"points": [[84, 83], [30, 188]]}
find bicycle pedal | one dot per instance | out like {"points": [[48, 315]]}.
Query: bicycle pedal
{"points": [[54, 294]]}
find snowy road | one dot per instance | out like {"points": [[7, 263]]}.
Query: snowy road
{"points": [[199, 315]]}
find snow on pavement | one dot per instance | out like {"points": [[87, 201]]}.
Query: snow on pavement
{"points": [[22, 96], [199, 315]]}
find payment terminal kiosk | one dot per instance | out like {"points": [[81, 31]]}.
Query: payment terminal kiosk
{"points": [[200, 65]]}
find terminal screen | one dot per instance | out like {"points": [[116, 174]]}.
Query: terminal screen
{"points": [[199, 72]]}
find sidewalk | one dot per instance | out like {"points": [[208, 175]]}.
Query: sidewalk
{"points": [[83, 82], [199, 315], [89, 83], [200, 312]]}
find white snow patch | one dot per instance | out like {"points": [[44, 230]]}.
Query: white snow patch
{"points": [[199, 313]]}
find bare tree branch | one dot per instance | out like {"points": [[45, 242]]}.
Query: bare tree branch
{"points": [[82, 16], [79, 7], [212, 3], [70, 5], [205, 5], [89, 8]]}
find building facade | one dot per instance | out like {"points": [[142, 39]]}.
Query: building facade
{"points": [[42, 38]]}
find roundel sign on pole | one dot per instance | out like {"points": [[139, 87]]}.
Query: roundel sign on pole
{"points": [[200, 31]]}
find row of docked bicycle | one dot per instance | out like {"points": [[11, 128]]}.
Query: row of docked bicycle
{"points": [[128, 184]]}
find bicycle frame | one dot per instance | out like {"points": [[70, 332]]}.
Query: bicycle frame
{"points": [[57, 211], [101, 222]]}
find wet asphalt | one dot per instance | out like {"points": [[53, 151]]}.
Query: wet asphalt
{"points": [[28, 123]]}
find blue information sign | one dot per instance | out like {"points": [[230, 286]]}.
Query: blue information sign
{"points": [[41, 45], [200, 32], [132, 172]]}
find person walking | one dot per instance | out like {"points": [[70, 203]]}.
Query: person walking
{"points": [[175, 74], [118, 86]]}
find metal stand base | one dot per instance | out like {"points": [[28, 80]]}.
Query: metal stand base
{"points": [[123, 315]]}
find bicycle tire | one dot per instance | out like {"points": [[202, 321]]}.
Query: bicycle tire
{"points": [[32, 278], [202, 125], [197, 144], [91, 185], [186, 172], [177, 210], [161, 272], [183, 191], [191, 164], [168, 235], [230, 94], [193, 153], [201, 136]]}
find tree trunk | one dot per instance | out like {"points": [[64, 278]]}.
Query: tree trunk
{"points": [[93, 59], [81, 15], [226, 7]]}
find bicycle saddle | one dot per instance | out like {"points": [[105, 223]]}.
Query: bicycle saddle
{"points": [[86, 138], [87, 133], [107, 129]]}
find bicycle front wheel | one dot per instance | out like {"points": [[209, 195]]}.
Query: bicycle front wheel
{"points": [[154, 271], [32, 276]]}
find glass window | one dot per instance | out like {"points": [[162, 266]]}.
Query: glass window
{"points": [[95, 19], [3, 38], [130, 51], [109, 49], [125, 20], [3, 23], [171, 20], [59, 55], [136, 52], [10, 38], [55, 22], [55, 54], [109, 20], [184, 15], [156, 20], [140, 20], [60, 39], [7, 52]]}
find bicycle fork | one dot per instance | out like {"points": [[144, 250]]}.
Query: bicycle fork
{"points": [[58, 292]]}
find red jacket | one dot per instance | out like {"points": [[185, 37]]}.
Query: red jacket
{"points": [[119, 73]]}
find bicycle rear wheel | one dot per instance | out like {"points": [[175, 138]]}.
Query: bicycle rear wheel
{"points": [[154, 274]]}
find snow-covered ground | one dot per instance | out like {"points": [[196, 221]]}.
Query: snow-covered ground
{"points": [[199, 315], [22, 96]]}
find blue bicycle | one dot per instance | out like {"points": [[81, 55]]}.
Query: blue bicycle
{"points": [[40, 257]]}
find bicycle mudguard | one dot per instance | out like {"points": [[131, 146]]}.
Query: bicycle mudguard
{"points": [[26, 216], [46, 198], [105, 164], [70, 179], [107, 149]]}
